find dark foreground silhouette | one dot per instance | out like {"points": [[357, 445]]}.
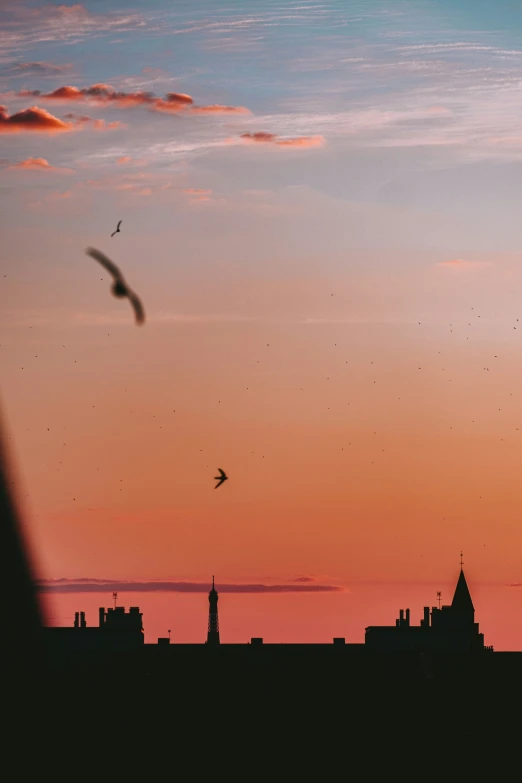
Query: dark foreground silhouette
{"points": [[264, 715]]}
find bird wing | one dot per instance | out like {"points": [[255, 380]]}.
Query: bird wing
{"points": [[223, 474], [105, 262], [118, 226], [219, 483], [138, 307]]}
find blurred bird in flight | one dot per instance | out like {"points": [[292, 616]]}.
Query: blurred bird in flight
{"points": [[119, 287]]}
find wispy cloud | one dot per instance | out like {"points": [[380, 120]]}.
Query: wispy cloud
{"points": [[461, 263], [52, 318], [262, 137], [171, 586], [217, 108], [83, 120], [197, 195], [24, 27], [40, 69], [138, 190]]}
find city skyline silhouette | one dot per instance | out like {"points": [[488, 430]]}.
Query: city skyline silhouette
{"points": [[447, 628]]}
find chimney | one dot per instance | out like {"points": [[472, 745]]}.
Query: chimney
{"points": [[101, 614], [83, 624], [401, 617], [427, 616], [408, 617], [77, 619]]}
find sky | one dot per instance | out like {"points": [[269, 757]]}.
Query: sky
{"points": [[320, 206]]}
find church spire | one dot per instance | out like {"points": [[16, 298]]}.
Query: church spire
{"points": [[213, 621], [462, 603]]}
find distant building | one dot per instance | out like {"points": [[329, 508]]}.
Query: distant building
{"points": [[446, 629], [117, 631], [213, 621]]}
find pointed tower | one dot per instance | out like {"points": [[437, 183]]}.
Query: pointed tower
{"points": [[213, 622], [462, 603]]}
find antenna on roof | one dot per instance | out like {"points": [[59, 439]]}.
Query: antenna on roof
{"points": [[115, 598], [461, 560], [439, 596]]}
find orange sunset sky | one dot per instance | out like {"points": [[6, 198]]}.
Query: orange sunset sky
{"points": [[320, 208]]}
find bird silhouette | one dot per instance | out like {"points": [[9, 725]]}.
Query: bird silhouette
{"points": [[119, 287], [220, 479], [117, 229]]}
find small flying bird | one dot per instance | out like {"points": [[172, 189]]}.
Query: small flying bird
{"points": [[117, 229], [119, 287], [220, 479]]}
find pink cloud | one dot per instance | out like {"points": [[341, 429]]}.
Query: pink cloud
{"points": [[66, 93], [33, 119], [102, 125], [83, 119], [197, 192], [261, 137], [217, 108], [148, 71], [460, 263], [302, 141], [127, 159], [173, 102], [77, 117], [137, 190], [57, 196], [198, 195], [38, 164], [102, 93]]}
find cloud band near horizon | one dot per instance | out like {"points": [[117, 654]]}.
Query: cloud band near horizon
{"points": [[149, 586]]}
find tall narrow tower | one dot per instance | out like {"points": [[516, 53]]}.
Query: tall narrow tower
{"points": [[213, 622]]}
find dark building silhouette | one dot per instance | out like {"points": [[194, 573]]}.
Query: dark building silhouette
{"points": [[446, 629], [213, 621], [445, 644], [118, 620], [117, 631]]}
